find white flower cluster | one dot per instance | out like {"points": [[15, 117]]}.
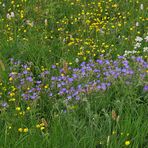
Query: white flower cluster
{"points": [[10, 15], [128, 52], [139, 41], [146, 38], [137, 45], [145, 49]]}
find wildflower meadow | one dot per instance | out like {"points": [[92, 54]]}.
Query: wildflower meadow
{"points": [[73, 73]]}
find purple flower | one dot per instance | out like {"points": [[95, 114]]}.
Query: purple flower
{"points": [[107, 62], [98, 76], [46, 72], [69, 97], [145, 88], [70, 80], [120, 57], [53, 66], [4, 104], [64, 90], [59, 85], [25, 72], [99, 87], [53, 78], [77, 98], [38, 82], [74, 75], [29, 79], [50, 94], [103, 86], [100, 62], [79, 86], [82, 64]]}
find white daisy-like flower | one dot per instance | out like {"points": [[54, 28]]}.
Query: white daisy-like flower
{"points": [[146, 38], [138, 39], [137, 24], [46, 22], [3, 5], [8, 16], [137, 45], [141, 6], [145, 49], [76, 60], [12, 14]]}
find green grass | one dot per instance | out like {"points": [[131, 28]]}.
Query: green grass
{"points": [[58, 32]]}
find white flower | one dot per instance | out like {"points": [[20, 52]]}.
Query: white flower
{"points": [[76, 60], [46, 22], [137, 45], [138, 39], [146, 38], [137, 24], [3, 5], [141, 6], [12, 14], [8, 16], [145, 49]]}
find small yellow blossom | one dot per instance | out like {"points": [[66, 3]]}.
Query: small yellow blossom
{"points": [[42, 128], [22, 113], [9, 127], [12, 94], [37, 126], [25, 130], [28, 108], [42, 124], [113, 132], [18, 108], [46, 86], [20, 130], [10, 79], [28, 68], [127, 142], [12, 99]]}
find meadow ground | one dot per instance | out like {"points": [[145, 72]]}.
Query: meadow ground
{"points": [[73, 73]]}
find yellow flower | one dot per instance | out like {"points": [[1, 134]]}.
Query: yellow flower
{"points": [[25, 130], [10, 79], [12, 99], [127, 142], [28, 69], [114, 132], [37, 126], [12, 2], [12, 94], [9, 127], [42, 124], [28, 108], [18, 108], [46, 86], [20, 130], [22, 113], [42, 128]]}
